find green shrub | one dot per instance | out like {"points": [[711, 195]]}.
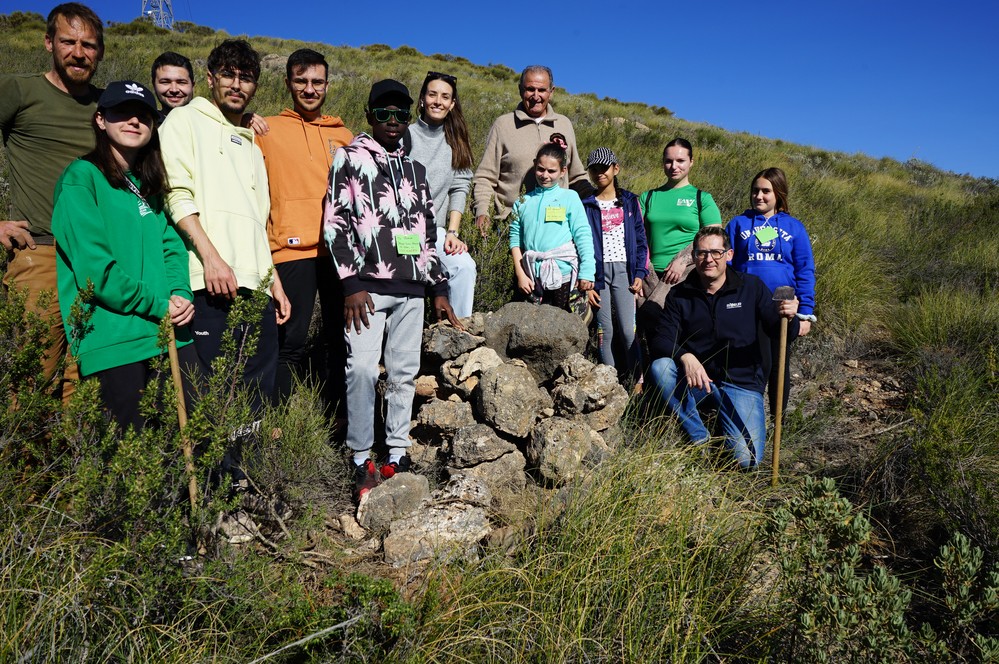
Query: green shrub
{"points": [[840, 613], [22, 21], [99, 525], [189, 28], [848, 609], [140, 26], [955, 446], [949, 322]]}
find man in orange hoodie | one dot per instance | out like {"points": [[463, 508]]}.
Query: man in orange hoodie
{"points": [[298, 152]]}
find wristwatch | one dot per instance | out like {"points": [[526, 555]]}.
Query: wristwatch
{"points": [[454, 233]]}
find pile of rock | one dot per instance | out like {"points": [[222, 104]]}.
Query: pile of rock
{"points": [[509, 403]]}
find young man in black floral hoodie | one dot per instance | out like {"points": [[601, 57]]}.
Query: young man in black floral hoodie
{"points": [[378, 222]]}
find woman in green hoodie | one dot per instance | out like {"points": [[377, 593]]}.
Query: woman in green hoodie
{"points": [[113, 236]]}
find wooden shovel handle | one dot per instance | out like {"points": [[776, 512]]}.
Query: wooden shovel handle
{"points": [[192, 482], [782, 358]]}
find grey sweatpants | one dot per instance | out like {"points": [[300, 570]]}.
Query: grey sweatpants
{"points": [[398, 322], [617, 314]]}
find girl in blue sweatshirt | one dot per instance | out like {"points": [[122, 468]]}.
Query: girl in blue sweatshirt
{"points": [[550, 238], [773, 245]]}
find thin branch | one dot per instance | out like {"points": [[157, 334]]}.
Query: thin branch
{"points": [[885, 430], [310, 637]]}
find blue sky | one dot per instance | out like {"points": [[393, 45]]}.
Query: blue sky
{"points": [[912, 79]]}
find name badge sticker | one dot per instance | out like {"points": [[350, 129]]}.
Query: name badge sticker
{"points": [[555, 214], [407, 245], [765, 234]]}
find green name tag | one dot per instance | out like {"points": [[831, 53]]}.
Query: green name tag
{"points": [[765, 234], [556, 214], [407, 245]]}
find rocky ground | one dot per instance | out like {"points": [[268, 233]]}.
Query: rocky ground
{"points": [[510, 410]]}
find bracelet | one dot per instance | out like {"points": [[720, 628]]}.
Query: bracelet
{"points": [[454, 233]]}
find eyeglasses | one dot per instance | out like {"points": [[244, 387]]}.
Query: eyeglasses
{"points": [[434, 75], [383, 114], [227, 76], [701, 254], [318, 84]]}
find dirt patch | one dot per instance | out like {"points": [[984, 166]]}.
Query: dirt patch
{"points": [[845, 399]]}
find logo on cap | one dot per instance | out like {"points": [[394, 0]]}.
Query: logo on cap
{"points": [[134, 89]]}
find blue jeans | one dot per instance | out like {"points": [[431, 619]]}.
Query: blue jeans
{"points": [[461, 274], [740, 412]]}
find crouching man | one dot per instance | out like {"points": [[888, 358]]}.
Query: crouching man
{"points": [[706, 349], [378, 222]]}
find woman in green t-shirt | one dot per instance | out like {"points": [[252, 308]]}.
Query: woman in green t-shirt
{"points": [[114, 239], [674, 213]]}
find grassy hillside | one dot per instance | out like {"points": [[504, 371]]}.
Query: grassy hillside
{"points": [[658, 557]]}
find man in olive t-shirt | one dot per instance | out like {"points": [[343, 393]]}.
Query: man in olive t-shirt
{"points": [[45, 120]]}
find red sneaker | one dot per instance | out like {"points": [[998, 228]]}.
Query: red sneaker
{"points": [[365, 479], [391, 468]]}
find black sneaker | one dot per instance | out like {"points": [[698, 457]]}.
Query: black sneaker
{"points": [[365, 479], [393, 467]]}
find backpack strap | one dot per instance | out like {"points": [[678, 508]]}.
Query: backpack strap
{"points": [[407, 147], [698, 205]]}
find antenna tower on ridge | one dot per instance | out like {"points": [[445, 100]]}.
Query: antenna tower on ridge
{"points": [[160, 12]]}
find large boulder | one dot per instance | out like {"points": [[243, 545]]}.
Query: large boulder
{"points": [[542, 336], [451, 381], [461, 374], [475, 324], [559, 448], [505, 476], [477, 361], [464, 489], [477, 444], [424, 455], [509, 400], [426, 387], [436, 531], [392, 499], [438, 420], [589, 392], [443, 341]]}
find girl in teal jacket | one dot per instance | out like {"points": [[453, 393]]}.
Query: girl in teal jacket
{"points": [[111, 233], [550, 238]]}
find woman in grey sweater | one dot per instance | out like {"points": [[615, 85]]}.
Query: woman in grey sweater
{"points": [[439, 141]]}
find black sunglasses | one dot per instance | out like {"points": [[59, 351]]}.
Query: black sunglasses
{"points": [[434, 75], [383, 114]]}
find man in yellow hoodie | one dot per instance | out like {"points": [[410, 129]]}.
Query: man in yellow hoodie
{"points": [[298, 152], [220, 202]]}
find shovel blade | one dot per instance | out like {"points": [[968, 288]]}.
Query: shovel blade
{"points": [[784, 293]]}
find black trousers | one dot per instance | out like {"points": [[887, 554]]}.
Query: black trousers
{"points": [[556, 297], [122, 387], [302, 281], [209, 328]]}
